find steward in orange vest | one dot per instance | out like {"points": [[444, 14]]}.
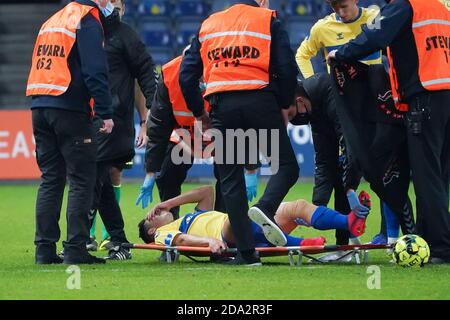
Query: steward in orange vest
{"points": [[183, 116], [249, 69], [69, 69], [418, 35], [68, 72]]}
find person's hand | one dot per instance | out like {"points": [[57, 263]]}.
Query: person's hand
{"points": [[146, 194], [356, 206], [217, 246], [108, 125], [251, 184], [205, 120], [331, 55], [160, 207], [142, 139]]}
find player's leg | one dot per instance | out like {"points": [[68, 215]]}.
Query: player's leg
{"points": [[392, 224], [116, 177], [301, 212], [261, 239]]}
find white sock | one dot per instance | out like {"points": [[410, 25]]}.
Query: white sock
{"points": [[392, 240], [354, 241]]}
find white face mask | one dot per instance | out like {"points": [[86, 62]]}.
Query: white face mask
{"points": [[106, 11], [105, 7]]}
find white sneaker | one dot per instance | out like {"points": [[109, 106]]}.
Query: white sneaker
{"points": [[271, 231], [336, 257]]}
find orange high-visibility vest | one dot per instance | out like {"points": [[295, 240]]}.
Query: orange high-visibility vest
{"points": [[235, 49], [50, 74], [184, 117], [431, 29]]}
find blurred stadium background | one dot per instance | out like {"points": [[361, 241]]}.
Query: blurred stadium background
{"points": [[165, 26]]}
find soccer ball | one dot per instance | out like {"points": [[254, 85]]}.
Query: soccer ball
{"points": [[411, 251]]}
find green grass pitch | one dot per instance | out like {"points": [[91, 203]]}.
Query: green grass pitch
{"points": [[145, 278]]}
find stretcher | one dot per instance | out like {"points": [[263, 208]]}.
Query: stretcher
{"points": [[359, 253]]}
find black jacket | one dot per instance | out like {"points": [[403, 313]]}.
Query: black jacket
{"points": [[128, 60], [377, 146], [331, 161], [283, 69], [160, 125]]}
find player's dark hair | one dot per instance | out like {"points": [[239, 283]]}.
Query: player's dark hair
{"points": [[144, 226]]}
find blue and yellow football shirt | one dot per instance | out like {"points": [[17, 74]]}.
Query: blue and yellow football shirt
{"points": [[207, 224], [330, 33]]}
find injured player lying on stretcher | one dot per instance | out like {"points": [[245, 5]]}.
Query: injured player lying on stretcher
{"points": [[208, 228]]}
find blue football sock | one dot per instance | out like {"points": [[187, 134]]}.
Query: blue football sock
{"points": [[325, 219], [393, 226], [292, 241]]}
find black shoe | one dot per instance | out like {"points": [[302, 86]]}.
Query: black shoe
{"points": [[119, 253], [83, 259], [250, 260], [52, 260]]}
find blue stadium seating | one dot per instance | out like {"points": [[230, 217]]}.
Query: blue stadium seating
{"points": [[278, 6], [160, 57], [155, 8], [301, 8], [368, 3], [130, 8], [298, 30], [157, 34], [219, 5], [191, 8], [185, 31]]}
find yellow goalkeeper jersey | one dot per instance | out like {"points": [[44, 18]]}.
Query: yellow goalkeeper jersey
{"points": [[330, 33]]}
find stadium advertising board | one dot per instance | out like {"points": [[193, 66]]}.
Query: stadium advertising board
{"points": [[18, 157], [17, 146]]}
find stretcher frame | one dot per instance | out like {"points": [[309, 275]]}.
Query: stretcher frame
{"points": [[359, 253]]}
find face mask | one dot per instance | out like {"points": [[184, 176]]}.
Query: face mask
{"points": [[108, 10]]}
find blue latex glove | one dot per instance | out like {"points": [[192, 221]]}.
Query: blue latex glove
{"points": [[251, 183], [356, 206], [146, 194]]}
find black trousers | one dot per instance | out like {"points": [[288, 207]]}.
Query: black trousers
{"points": [[251, 110], [430, 162], [65, 147], [106, 204], [341, 205], [171, 178]]}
